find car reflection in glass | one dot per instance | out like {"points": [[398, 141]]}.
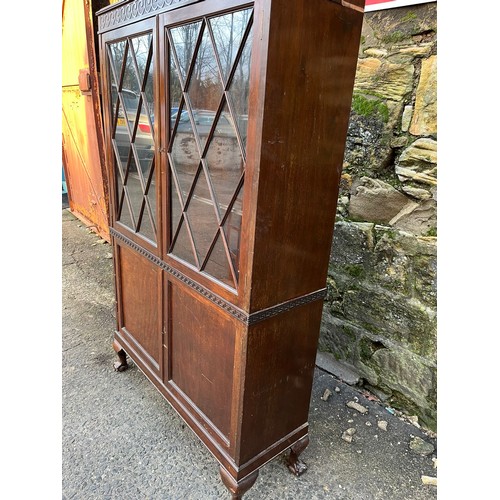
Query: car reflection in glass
{"points": [[143, 140], [203, 120]]}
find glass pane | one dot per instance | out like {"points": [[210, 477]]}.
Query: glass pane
{"points": [[224, 160], [175, 91], [184, 155], [134, 190], [182, 247], [184, 39], [141, 45], [148, 222], [120, 139], [130, 89], [149, 93], [175, 208], [202, 217], [146, 227], [228, 31], [232, 230], [122, 211], [143, 142], [239, 89], [114, 99], [218, 266], [205, 88], [116, 54]]}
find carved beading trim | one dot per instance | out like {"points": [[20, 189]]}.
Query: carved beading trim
{"points": [[216, 299], [247, 319], [123, 12], [286, 306]]}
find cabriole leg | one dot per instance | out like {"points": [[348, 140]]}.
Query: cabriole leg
{"points": [[294, 464], [238, 488], [121, 365]]}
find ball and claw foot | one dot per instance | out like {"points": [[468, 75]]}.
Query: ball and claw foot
{"points": [[293, 462], [121, 365]]}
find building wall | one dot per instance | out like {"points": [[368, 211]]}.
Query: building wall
{"points": [[380, 313]]}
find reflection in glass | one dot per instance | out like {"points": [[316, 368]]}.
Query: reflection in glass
{"points": [[143, 142], [217, 265], [202, 218], [232, 230], [205, 88], [240, 89], [131, 89], [228, 31], [141, 46], [224, 160], [182, 246], [115, 56], [132, 138], [175, 90], [210, 177], [184, 155], [175, 208], [184, 40]]}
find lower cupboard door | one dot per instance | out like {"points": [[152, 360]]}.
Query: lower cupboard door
{"points": [[139, 306], [203, 347]]}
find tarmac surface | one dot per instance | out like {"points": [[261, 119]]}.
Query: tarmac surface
{"points": [[122, 440]]}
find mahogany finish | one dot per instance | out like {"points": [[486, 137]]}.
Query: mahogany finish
{"points": [[225, 129]]}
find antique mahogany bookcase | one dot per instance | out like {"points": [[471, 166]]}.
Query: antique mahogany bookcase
{"points": [[225, 125]]}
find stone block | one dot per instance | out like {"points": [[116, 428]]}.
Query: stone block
{"points": [[337, 336], [351, 242], [405, 320], [421, 219], [368, 143], [343, 371], [424, 120], [384, 79], [406, 118], [418, 162], [375, 201], [406, 373]]}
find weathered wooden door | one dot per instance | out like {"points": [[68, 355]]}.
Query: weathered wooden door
{"points": [[82, 137]]}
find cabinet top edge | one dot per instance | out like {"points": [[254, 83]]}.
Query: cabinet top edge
{"points": [[127, 11], [143, 6], [138, 8]]}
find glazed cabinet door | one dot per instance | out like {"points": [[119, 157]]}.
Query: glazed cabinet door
{"points": [[130, 72], [207, 65], [205, 68]]}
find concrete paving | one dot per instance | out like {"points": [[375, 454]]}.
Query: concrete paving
{"points": [[122, 440]]}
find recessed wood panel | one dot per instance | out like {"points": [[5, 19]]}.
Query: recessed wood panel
{"points": [[281, 353], [202, 355], [140, 288]]}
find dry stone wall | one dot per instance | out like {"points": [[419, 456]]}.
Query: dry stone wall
{"points": [[380, 313]]}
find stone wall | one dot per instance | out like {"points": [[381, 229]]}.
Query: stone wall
{"points": [[380, 314]]}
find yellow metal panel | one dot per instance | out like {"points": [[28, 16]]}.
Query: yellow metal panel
{"points": [[74, 41], [81, 122]]}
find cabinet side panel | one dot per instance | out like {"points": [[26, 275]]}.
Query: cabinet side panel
{"points": [[281, 354], [307, 102], [140, 287], [202, 343]]}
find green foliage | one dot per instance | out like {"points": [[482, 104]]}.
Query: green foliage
{"points": [[432, 232], [355, 270], [394, 37], [409, 17], [364, 106]]}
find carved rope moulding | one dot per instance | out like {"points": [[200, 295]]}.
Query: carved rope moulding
{"points": [[240, 315]]}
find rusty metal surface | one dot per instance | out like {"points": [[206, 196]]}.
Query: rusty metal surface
{"points": [[82, 139]]}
